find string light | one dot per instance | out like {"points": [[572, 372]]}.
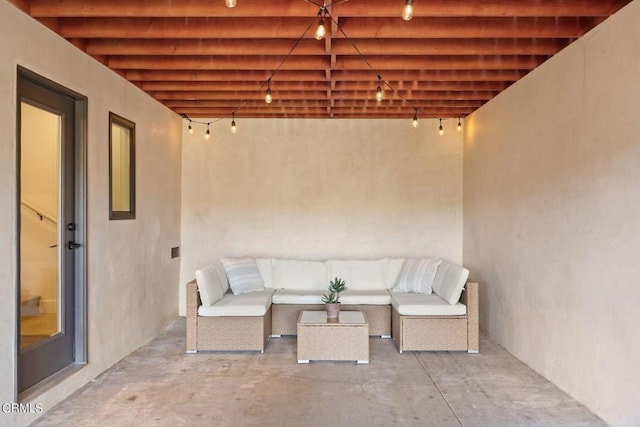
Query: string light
{"points": [[379, 91], [441, 129], [322, 13], [407, 12], [321, 30], [459, 125], [268, 97], [234, 129]]}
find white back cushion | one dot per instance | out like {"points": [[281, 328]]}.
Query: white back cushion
{"points": [[394, 266], [359, 274], [221, 275], [298, 274], [209, 285], [417, 275], [453, 281], [243, 275], [265, 268]]}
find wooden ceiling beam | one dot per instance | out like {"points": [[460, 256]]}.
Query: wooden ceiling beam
{"points": [[204, 95], [313, 47], [507, 27], [321, 95], [202, 47], [505, 75], [256, 86], [223, 75], [355, 28], [467, 62], [217, 62], [431, 75], [401, 111], [249, 86], [259, 103], [261, 8]]}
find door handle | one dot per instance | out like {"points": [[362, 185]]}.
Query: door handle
{"points": [[73, 245]]}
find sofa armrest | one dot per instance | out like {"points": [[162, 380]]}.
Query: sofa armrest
{"points": [[470, 299], [193, 301]]}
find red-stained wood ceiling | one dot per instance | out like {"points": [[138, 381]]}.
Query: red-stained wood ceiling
{"points": [[203, 59]]}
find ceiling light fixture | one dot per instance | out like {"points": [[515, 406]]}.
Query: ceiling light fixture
{"points": [[379, 90], [415, 120], [268, 97], [407, 12], [321, 31], [207, 134], [441, 129], [234, 129], [459, 125], [230, 3]]}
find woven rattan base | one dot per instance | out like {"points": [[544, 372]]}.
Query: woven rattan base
{"points": [[229, 333], [439, 333], [285, 317]]}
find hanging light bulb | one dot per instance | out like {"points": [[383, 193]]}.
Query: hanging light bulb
{"points": [[379, 91], [190, 128], [321, 30], [230, 3], [268, 97], [459, 125], [234, 129], [441, 129], [415, 120], [407, 12], [207, 134]]}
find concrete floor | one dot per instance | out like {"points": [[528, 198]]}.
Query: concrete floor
{"points": [[160, 385]]}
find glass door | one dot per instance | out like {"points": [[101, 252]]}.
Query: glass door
{"points": [[46, 232]]}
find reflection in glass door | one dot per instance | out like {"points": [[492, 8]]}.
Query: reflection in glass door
{"points": [[39, 239]]}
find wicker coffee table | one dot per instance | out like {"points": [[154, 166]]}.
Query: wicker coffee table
{"points": [[347, 339]]}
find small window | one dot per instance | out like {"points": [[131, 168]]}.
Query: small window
{"points": [[122, 168]]}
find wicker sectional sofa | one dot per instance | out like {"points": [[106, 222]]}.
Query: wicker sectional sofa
{"points": [[218, 319]]}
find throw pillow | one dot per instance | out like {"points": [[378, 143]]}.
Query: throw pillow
{"points": [[243, 275], [417, 275]]}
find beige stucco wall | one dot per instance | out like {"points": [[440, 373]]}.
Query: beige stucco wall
{"points": [[552, 217], [132, 282], [321, 189]]}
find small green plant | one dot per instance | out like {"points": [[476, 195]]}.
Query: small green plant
{"points": [[336, 286]]}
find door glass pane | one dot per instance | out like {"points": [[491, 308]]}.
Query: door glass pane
{"points": [[40, 245]]}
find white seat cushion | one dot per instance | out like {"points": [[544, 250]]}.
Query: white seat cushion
{"points": [[449, 281], [243, 275], [359, 297], [410, 304], [209, 285], [297, 296], [249, 304], [299, 274], [360, 274]]}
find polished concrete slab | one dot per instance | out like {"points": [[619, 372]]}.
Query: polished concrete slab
{"points": [[160, 385]]}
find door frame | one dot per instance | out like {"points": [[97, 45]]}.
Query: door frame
{"points": [[79, 254]]}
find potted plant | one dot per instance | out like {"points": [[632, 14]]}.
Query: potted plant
{"points": [[332, 298]]}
